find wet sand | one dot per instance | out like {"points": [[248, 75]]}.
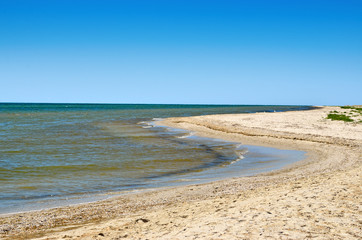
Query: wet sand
{"points": [[319, 197]]}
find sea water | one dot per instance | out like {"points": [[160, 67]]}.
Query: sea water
{"points": [[57, 154]]}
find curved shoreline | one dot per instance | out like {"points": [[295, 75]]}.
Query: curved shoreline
{"points": [[276, 204], [225, 153]]}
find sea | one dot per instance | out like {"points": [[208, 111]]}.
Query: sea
{"points": [[53, 155]]}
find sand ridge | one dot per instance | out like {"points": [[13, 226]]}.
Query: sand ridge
{"points": [[319, 198]]}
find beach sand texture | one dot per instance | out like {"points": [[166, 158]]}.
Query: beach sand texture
{"points": [[317, 198]]}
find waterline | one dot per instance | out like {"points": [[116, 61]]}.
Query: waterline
{"points": [[76, 153]]}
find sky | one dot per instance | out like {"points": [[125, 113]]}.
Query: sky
{"points": [[298, 52]]}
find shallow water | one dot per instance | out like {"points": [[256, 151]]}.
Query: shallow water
{"points": [[55, 154]]}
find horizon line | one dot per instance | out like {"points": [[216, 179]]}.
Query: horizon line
{"points": [[225, 104]]}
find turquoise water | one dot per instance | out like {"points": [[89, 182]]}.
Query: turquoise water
{"points": [[58, 153]]}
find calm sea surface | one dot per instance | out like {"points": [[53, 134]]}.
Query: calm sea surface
{"points": [[56, 154]]}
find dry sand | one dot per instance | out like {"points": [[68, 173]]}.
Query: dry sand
{"points": [[319, 198]]}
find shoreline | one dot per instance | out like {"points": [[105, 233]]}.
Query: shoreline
{"points": [[165, 213], [207, 175]]}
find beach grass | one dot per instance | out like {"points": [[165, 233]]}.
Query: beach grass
{"points": [[355, 109], [351, 114], [339, 117]]}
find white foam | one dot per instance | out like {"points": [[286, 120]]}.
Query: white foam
{"points": [[186, 135], [157, 119], [146, 124], [239, 146], [240, 154]]}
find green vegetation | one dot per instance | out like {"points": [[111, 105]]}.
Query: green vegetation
{"points": [[357, 109], [346, 107], [353, 111], [339, 117]]}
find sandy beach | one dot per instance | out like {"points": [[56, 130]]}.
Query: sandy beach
{"points": [[317, 198]]}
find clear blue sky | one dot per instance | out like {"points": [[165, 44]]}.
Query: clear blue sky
{"points": [[179, 51]]}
